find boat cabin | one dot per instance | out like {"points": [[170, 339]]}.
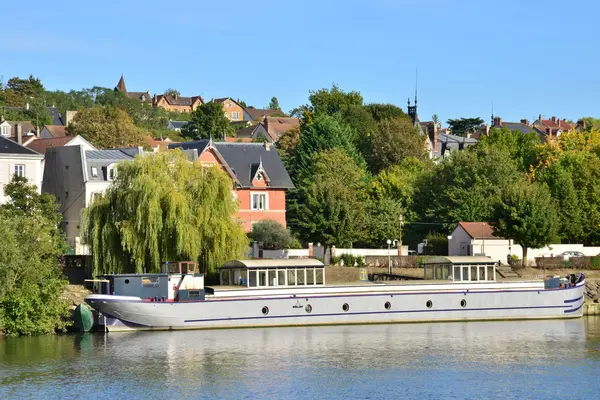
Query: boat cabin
{"points": [[177, 281], [273, 273], [460, 269]]}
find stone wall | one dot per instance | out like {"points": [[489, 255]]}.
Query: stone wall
{"points": [[397, 262], [592, 291]]}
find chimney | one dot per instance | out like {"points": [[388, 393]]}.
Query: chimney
{"points": [[525, 122], [19, 133], [311, 249], [267, 145], [435, 138], [175, 95], [554, 119], [540, 118], [558, 121]]}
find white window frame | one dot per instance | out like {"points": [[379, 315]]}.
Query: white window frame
{"points": [[235, 115], [19, 170], [6, 131], [258, 208], [94, 171]]}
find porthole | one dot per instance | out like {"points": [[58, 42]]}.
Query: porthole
{"points": [[345, 307], [388, 305], [463, 303], [429, 304], [126, 281], [265, 310], [308, 308]]}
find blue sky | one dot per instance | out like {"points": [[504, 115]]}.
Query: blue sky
{"points": [[526, 57]]}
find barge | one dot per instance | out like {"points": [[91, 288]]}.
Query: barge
{"points": [[269, 293]]}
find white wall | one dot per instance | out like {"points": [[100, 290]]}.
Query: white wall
{"points": [[33, 171], [460, 243], [335, 252]]}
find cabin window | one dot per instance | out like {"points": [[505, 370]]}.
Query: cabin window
{"points": [[490, 273], [150, 281], [262, 278], [300, 276], [252, 278], [319, 276], [465, 273], [481, 273], [225, 277], [456, 275], [291, 277], [281, 277], [310, 276], [272, 277], [473, 276]]}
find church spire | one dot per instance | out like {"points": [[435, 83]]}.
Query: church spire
{"points": [[412, 110], [121, 85]]}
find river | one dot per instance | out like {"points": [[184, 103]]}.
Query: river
{"points": [[476, 360]]}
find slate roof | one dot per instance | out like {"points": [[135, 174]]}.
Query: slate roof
{"points": [[241, 156], [448, 142], [518, 126], [277, 126], [254, 131], [7, 146], [100, 159], [26, 126], [178, 124], [179, 100]]}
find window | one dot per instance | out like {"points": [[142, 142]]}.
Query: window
{"points": [[6, 131], [19, 170], [112, 173], [259, 201], [235, 115], [94, 171]]}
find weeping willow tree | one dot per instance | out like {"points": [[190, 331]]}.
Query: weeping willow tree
{"points": [[161, 207]]}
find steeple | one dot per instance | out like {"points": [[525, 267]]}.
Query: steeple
{"points": [[412, 110], [121, 85]]}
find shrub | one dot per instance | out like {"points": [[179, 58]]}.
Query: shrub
{"points": [[437, 245], [348, 260], [271, 234]]}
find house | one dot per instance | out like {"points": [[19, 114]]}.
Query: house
{"points": [[177, 103], [233, 109], [277, 126], [8, 129], [16, 159], [259, 114], [158, 144], [176, 125], [53, 131], [523, 126], [42, 145], [252, 132], [141, 96], [553, 127], [448, 143], [259, 176], [74, 175]]}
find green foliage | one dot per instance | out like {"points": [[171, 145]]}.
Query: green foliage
{"points": [[31, 283], [382, 221], [208, 121], [18, 92], [381, 112], [522, 147], [274, 104], [348, 260], [172, 92], [526, 213], [271, 234], [332, 101], [591, 123], [437, 245], [392, 141], [330, 201], [161, 207], [107, 127], [462, 126]]}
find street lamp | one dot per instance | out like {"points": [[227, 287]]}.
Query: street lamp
{"points": [[389, 242], [401, 220]]}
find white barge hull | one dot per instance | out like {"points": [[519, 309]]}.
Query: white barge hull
{"points": [[383, 304]]}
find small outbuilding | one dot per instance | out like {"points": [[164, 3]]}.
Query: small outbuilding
{"points": [[273, 273], [460, 269]]}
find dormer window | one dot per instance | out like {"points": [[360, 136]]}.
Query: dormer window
{"points": [[259, 177], [6, 131], [94, 171], [112, 173]]}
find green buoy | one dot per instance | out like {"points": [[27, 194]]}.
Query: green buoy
{"points": [[83, 318]]}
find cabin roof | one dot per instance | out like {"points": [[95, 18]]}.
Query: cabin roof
{"points": [[274, 263], [459, 260]]}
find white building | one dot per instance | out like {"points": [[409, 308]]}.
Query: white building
{"points": [[16, 159]]}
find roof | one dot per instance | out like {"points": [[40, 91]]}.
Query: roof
{"points": [[142, 96], [179, 100], [253, 131], [178, 124], [7, 146], [240, 157], [459, 260], [448, 142], [277, 126], [54, 113], [518, 126], [41, 145], [121, 85], [26, 126], [57, 130], [99, 159], [274, 263], [114, 155], [479, 230], [259, 114]]}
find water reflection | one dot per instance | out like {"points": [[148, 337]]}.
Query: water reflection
{"points": [[341, 361]]}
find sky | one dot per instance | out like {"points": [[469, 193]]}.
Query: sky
{"points": [[523, 57]]}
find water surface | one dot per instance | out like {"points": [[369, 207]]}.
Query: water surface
{"points": [[475, 360]]}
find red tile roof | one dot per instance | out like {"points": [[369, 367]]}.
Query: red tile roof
{"points": [[479, 230], [41, 145], [277, 126]]}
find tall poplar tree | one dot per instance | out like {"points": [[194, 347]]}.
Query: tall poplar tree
{"points": [[162, 207]]}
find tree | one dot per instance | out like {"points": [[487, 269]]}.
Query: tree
{"points": [[522, 147], [526, 213], [385, 111], [162, 207], [107, 127], [271, 234], [274, 104], [394, 140], [208, 120], [462, 126], [330, 207], [172, 92], [331, 101], [381, 222], [31, 284]]}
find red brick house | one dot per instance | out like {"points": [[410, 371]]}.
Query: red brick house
{"points": [[260, 178]]}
